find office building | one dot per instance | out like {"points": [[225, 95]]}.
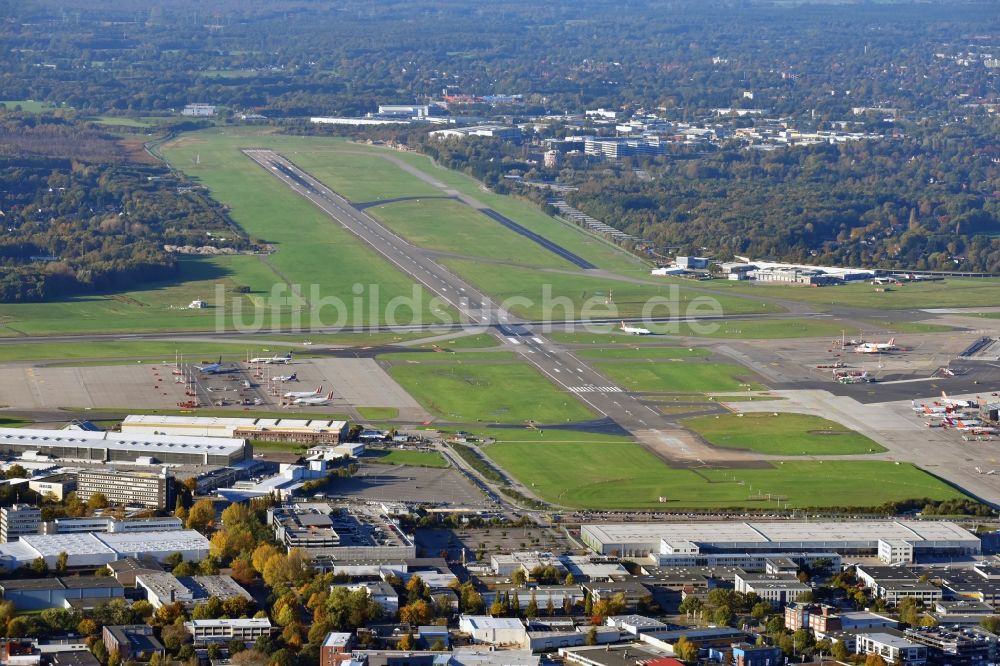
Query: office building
{"points": [[127, 488], [745, 654], [245, 630], [493, 630], [966, 646], [895, 649], [776, 589], [56, 485], [19, 520]]}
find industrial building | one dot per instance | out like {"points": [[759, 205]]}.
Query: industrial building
{"points": [[152, 490], [164, 588], [38, 593], [491, 131], [132, 642], [854, 538], [112, 447], [91, 550], [306, 431]]}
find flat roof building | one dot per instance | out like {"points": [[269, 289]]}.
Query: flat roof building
{"points": [[246, 630], [847, 537], [110, 447], [308, 431], [89, 549], [152, 490]]}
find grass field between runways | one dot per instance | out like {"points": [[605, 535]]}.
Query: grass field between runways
{"points": [[782, 435], [678, 377], [596, 472], [486, 392]]}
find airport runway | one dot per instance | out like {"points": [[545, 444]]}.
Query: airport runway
{"points": [[560, 365]]}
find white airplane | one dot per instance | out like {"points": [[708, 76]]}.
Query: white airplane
{"points": [[286, 359], [285, 378], [951, 402], [318, 400], [634, 330], [876, 347], [304, 394]]}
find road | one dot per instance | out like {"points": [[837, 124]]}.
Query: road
{"points": [[560, 365]]}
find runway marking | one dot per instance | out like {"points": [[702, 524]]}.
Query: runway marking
{"points": [[590, 388], [512, 341], [537, 341]]}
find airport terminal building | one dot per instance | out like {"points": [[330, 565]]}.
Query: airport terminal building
{"points": [[687, 543], [112, 447], [306, 431]]}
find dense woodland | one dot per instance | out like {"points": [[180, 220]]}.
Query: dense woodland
{"points": [[78, 216]]}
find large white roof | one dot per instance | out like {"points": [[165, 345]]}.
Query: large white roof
{"points": [[145, 421], [785, 532], [138, 542], [121, 441], [82, 543]]}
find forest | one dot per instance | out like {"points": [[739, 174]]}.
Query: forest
{"points": [[80, 217]]}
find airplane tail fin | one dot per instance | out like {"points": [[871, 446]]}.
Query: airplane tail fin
{"points": [[892, 341], [329, 396]]}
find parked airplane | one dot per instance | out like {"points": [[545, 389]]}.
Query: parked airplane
{"points": [[286, 359], [928, 409], [951, 402], [213, 368], [285, 378], [305, 394], [964, 424], [318, 400], [635, 330], [876, 347]]}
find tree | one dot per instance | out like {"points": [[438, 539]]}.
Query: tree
{"points": [[87, 627], [40, 566], [518, 578], [802, 640], [839, 651], [174, 636], [532, 611], [261, 555], [591, 636], [570, 580], [909, 611], [61, 560], [991, 624], [242, 571], [550, 607], [690, 604], [417, 613], [405, 643], [201, 516], [874, 660], [249, 658], [685, 650], [760, 610], [97, 501], [723, 615]]}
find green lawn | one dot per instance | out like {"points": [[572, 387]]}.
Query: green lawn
{"points": [[624, 352], [28, 105], [449, 226], [499, 393], [677, 377], [311, 249], [475, 341], [588, 471], [378, 413], [782, 435], [120, 121], [447, 356], [957, 292], [592, 248], [123, 349], [538, 295], [404, 457], [161, 306], [746, 329]]}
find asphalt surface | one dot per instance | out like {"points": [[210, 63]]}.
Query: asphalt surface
{"points": [[560, 365]]}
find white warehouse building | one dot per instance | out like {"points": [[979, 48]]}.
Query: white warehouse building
{"points": [[861, 538], [92, 550]]}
